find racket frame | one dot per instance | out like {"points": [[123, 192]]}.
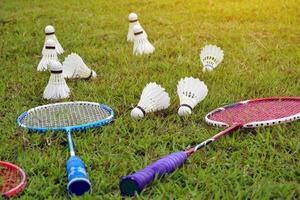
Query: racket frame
{"points": [[255, 123], [67, 128], [23, 181]]}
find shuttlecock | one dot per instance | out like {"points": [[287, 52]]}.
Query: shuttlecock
{"points": [[211, 56], [153, 98], [141, 43], [133, 20], [74, 67], [57, 87], [50, 34], [190, 91], [49, 55]]}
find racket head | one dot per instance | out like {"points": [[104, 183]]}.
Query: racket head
{"points": [[256, 112], [12, 179], [72, 116]]}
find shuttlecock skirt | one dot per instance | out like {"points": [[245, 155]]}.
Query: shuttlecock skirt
{"points": [[57, 88]]}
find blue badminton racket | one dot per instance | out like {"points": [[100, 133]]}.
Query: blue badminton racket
{"points": [[68, 117]]}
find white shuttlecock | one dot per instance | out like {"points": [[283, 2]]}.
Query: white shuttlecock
{"points": [[49, 55], [50, 34], [190, 91], [74, 67], [57, 87], [141, 43], [133, 20], [211, 56], [153, 98]]}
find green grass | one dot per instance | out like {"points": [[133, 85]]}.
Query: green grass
{"points": [[262, 58]]}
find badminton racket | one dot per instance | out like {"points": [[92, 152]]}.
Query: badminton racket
{"points": [[12, 179], [68, 117], [245, 114]]}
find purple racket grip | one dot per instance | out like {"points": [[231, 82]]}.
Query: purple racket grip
{"points": [[135, 183]]}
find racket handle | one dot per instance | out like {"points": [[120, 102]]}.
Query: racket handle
{"points": [[78, 182], [135, 183]]}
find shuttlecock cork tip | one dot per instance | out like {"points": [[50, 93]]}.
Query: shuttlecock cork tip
{"points": [[132, 17], [208, 67], [137, 29], [94, 74], [50, 43], [49, 30], [184, 111], [56, 67], [137, 113]]}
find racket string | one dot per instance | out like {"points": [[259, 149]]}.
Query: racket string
{"points": [[257, 111], [64, 115], [9, 179]]}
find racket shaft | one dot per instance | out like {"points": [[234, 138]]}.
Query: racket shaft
{"points": [[214, 138], [70, 143], [227, 131]]}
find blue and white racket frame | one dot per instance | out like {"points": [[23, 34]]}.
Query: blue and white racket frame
{"points": [[78, 182]]}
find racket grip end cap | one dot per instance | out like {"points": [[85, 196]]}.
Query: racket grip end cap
{"points": [[135, 183], [78, 182]]}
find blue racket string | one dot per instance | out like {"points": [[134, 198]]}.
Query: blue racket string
{"points": [[64, 115]]}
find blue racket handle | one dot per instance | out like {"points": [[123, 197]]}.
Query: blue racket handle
{"points": [[78, 182], [135, 183]]}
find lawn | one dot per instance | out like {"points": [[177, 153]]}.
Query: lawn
{"points": [[260, 40]]}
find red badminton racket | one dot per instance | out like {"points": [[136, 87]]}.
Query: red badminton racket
{"points": [[12, 179], [245, 114]]}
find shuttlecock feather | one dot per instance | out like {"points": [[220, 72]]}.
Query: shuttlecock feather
{"points": [[57, 87], [153, 98], [74, 67], [50, 34], [49, 55], [190, 91], [141, 44], [133, 20], [211, 56]]}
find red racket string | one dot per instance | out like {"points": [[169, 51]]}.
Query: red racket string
{"points": [[9, 178], [12, 179], [256, 111]]}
